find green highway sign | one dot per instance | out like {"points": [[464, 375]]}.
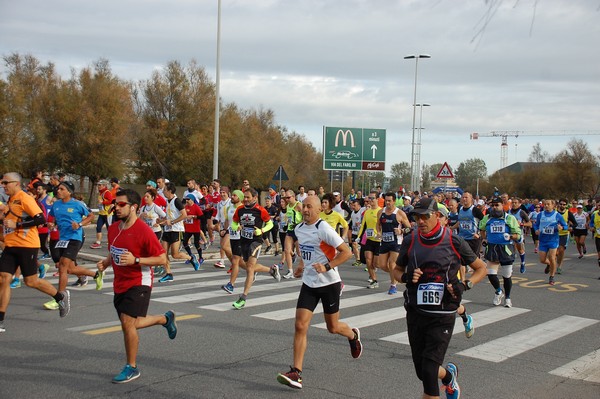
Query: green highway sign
{"points": [[353, 148]]}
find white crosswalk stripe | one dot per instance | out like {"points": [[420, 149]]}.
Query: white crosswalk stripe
{"points": [[345, 303], [585, 368], [514, 344]]}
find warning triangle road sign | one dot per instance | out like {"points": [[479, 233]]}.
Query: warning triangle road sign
{"points": [[280, 174], [445, 172]]}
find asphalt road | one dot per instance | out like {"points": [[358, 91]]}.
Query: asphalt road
{"points": [[523, 352]]}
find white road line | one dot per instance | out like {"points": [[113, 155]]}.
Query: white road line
{"points": [[480, 319], [252, 302], [345, 303], [372, 318], [197, 296], [586, 368], [511, 345]]}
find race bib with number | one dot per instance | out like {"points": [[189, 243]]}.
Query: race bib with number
{"points": [[548, 230], [355, 229], [430, 294], [168, 228], [306, 251], [370, 233], [465, 225], [234, 234], [387, 236], [62, 244], [248, 233], [8, 230], [497, 228], [116, 253]]}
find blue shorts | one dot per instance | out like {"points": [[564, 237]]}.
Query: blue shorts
{"points": [[545, 246]]}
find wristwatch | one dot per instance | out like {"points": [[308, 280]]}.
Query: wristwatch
{"points": [[137, 261], [468, 284]]}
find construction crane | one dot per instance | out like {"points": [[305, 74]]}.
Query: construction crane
{"points": [[504, 134]]}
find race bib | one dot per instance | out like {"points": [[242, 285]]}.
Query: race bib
{"points": [[548, 230], [248, 233], [497, 228], [149, 222], [465, 226], [370, 233], [307, 251], [116, 253], [355, 229], [168, 228], [430, 294], [234, 234], [282, 226], [189, 221], [387, 236], [62, 244], [8, 230]]}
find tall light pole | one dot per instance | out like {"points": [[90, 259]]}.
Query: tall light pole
{"points": [[418, 141], [217, 94], [414, 177]]}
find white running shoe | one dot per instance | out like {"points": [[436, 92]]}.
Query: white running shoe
{"points": [[498, 297]]}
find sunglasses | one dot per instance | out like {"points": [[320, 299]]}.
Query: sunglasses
{"points": [[121, 204], [4, 182], [422, 217]]}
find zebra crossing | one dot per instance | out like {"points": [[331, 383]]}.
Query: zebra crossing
{"points": [[366, 309]]}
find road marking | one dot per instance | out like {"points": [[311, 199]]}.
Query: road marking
{"points": [[220, 293], [511, 345], [371, 318], [345, 303], [170, 287], [117, 325], [480, 319], [586, 368], [265, 300]]}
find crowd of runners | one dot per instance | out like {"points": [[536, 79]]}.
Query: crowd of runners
{"points": [[438, 245]]}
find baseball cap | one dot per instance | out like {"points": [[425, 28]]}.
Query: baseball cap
{"points": [[114, 180], [480, 202], [496, 200], [68, 185], [336, 193], [425, 206], [579, 206], [443, 211], [151, 183], [104, 182]]}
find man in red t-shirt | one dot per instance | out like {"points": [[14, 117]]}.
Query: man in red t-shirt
{"points": [[133, 250]]}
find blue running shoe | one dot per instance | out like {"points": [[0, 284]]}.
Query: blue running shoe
{"points": [[522, 267], [228, 288], [127, 374], [200, 261], [452, 389], [393, 290], [195, 263], [43, 270], [165, 278], [469, 328], [16, 283], [171, 325], [187, 262]]}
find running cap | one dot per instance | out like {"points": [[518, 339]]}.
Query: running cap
{"points": [[239, 194], [425, 206], [480, 202], [579, 206], [151, 183], [192, 197], [104, 182], [336, 193], [496, 200], [114, 180], [443, 211], [69, 186]]}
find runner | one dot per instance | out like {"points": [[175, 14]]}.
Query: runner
{"points": [[370, 241], [191, 225], [150, 213], [428, 263], [356, 220], [581, 229], [133, 250], [389, 231], [564, 234], [105, 201], [252, 221], [293, 211], [500, 230], [533, 217], [21, 216], [469, 217], [234, 241], [320, 282], [547, 226], [595, 228], [522, 217]]}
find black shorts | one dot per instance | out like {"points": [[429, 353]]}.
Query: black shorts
{"points": [[54, 252], [236, 247], [292, 233], [70, 251], [563, 241], [499, 253], [250, 249], [429, 336], [13, 257], [389, 247], [133, 302], [475, 245], [171, 236], [328, 295], [597, 241], [158, 234], [282, 236], [372, 246], [580, 232]]}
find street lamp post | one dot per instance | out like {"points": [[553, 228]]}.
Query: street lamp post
{"points": [[418, 141], [414, 177], [217, 94]]}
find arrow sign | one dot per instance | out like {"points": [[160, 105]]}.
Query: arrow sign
{"points": [[445, 172], [374, 149]]}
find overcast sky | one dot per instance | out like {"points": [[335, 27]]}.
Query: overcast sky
{"points": [[528, 65]]}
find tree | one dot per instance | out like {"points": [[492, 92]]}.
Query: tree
{"points": [[468, 172], [577, 170], [538, 154], [400, 174]]}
